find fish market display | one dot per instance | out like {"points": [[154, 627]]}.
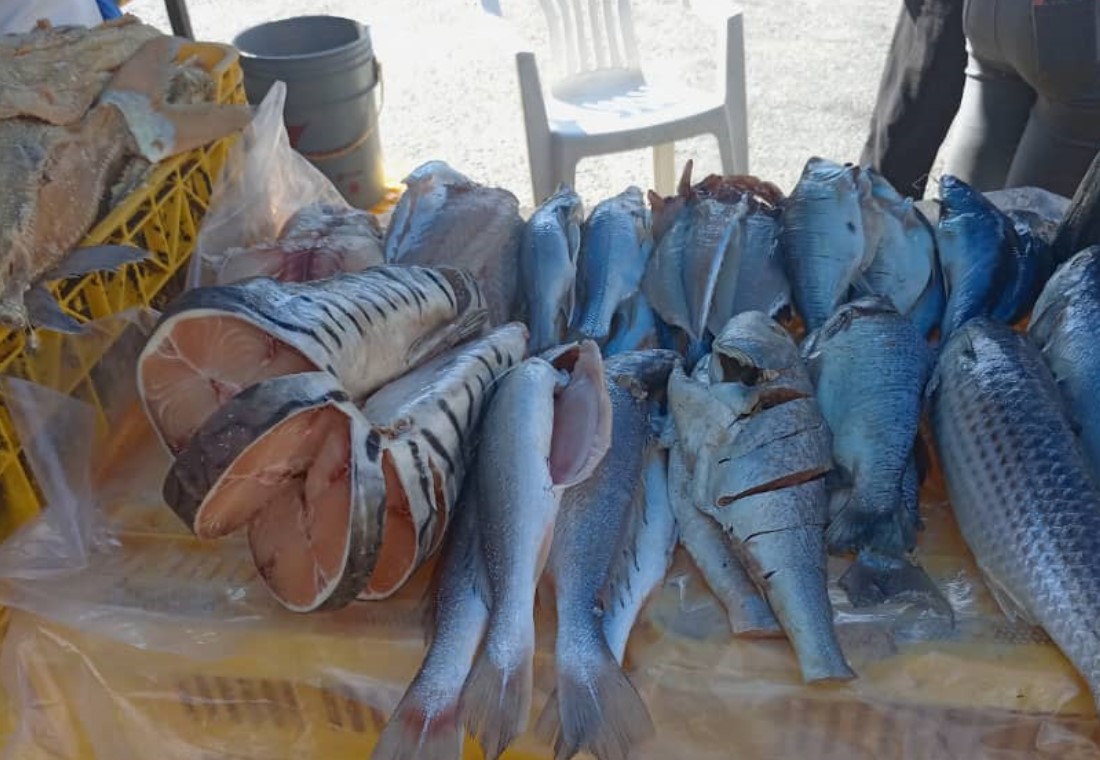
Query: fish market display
{"points": [[1021, 489], [869, 366], [319, 241], [1064, 325], [549, 432], [823, 238], [362, 496], [595, 706], [365, 329], [757, 449], [613, 256], [446, 219], [548, 268], [57, 177]]}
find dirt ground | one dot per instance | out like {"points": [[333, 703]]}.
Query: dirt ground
{"points": [[451, 93]]}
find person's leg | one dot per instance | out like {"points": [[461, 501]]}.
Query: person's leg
{"points": [[1057, 147], [919, 93], [995, 108]]}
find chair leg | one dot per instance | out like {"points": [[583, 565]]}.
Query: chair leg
{"points": [[664, 168], [725, 152], [565, 170]]}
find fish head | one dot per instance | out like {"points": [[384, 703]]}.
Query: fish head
{"points": [[823, 172], [644, 372], [752, 349], [433, 174], [957, 197]]}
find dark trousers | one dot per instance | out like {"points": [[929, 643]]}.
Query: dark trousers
{"points": [[919, 93]]}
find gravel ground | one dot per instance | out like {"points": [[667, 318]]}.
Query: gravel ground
{"points": [[451, 92]]}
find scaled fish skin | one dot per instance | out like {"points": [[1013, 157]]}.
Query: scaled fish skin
{"points": [[599, 710], [869, 365], [425, 724], [1064, 325], [614, 249], [633, 328], [1025, 500], [761, 281], [823, 240], [446, 219], [548, 268], [550, 430], [758, 450]]}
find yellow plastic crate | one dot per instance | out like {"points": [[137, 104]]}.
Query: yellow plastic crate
{"points": [[163, 217]]}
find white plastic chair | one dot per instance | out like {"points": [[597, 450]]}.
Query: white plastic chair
{"points": [[603, 103]]}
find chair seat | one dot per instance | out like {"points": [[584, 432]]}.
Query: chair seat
{"points": [[638, 107]]}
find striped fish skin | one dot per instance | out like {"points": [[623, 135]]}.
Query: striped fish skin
{"points": [[364, 328], [823, 240], [548, 267], [1064, 325], [406, 458], [1024, 497]]}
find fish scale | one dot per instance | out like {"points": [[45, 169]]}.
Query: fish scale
{"points": [[1026, 503]]}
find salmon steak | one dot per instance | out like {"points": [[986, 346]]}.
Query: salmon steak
{"points": [[341, 500], [364, 329]]}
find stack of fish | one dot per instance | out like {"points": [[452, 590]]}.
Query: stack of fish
{"points": [[359, 424]]}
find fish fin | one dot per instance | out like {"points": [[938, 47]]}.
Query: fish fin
{"points": [[684, 189], [413, 733], [857, 523], [495, 703], [600, 711], [96, 258], [44, 311], [877, 579], [548, 725], [582, 418], [1012, 608]]}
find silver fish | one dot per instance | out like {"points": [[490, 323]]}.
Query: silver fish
{"points": [[1026, 502], [869, 365], [1064, 325], [550, 430], [364, 329], [823, 240], [445, 219], [613, 255], [599, 710], [548, 268], [746, 608], [761, 282], [633, 327], [425, 724], [757, 448]]}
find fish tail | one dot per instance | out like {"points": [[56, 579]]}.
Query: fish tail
{"points": [[417, 732], [859, 522], [600, 711], [548, 725], [875, 579], [496, 701]]}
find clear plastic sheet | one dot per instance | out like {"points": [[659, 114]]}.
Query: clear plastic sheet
{"points": [[129, 638], [263, 183]]}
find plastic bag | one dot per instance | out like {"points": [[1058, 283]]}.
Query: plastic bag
{"points": [[263, 183]]}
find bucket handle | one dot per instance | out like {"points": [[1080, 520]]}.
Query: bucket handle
{"points": [[354, 145]]}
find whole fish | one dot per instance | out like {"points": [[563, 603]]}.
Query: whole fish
{"points": [[425, 725], [551, 426], [904, 264], [613, 255], [746, 608], [757, 450], [869, 366], [644, 562], [972, 236], [633, 327], [1026, 502], [1033, 264], [365, 329], [356, 496], [761, 281], [445, 219], [1064, 325], [548, 267], [822, 237], [599, 710]]}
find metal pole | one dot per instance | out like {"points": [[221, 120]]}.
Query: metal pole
{"points": [[180, 18]]}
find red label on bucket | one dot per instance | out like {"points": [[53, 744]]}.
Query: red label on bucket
{"points": [[295, 132]]}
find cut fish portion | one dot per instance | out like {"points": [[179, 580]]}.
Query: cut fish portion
{"points": [[364, 329]]}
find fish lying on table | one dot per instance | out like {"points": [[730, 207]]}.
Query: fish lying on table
{"points": [[548, 268], [757, 451], [594, 707], [1024, 497], [446, 219], [341, 500], [551, 427], [364, 328]]}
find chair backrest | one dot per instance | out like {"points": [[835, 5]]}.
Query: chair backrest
{"points": [[588, 35]]}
